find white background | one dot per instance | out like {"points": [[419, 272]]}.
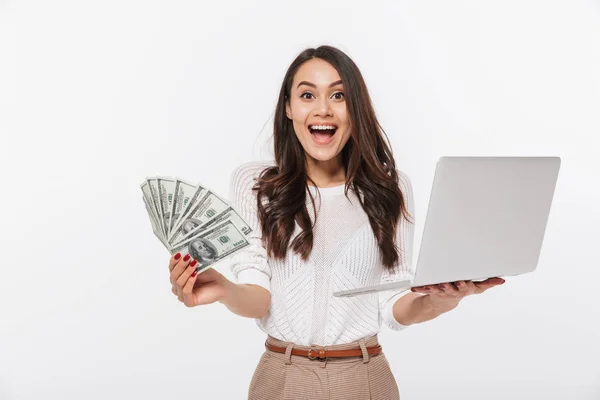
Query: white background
{"points": [[96, 96]]}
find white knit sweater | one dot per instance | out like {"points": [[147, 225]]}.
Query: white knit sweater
{"points": [[345, 255]]}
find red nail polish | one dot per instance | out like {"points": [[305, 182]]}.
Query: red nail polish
{"points": [[177, 256], [193, 264], [194, 274], [187, 257]]}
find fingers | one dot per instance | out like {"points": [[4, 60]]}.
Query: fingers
{"points": [[179, 273], [183, 278], [465, 287], [435, 289], [471, 289], [427, 289], [449, 289], [482, 286], [458, 288], [174, 260], [496, 281], [179, 267], [187, 290]]}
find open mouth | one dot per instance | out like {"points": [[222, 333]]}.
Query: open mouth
{"points": [[322, 134]]}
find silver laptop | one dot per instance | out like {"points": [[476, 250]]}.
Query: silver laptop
{"points": [[486, 218]]}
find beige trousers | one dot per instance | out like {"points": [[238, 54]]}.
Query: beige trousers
{"points": [[290, 377]]}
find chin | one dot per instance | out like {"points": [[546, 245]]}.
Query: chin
{"points": [[323, 156]]}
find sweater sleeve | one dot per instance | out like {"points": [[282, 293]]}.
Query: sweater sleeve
{"points": [[404, 269], [250, 264]]}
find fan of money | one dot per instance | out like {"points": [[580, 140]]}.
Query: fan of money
{"points": [[191, 219]]}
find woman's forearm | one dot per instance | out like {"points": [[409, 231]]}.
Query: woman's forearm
{"points": [[251, 301], [414, 308]]}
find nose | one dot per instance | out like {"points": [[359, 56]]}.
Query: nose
{"points": [[322, 107]]}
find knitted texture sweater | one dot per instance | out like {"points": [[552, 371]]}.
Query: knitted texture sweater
{"points": [[345, 255]]}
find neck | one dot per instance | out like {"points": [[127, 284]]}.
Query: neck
{"points": [[326, 173]]}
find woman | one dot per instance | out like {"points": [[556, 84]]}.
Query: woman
{"points": [[329, 214]]}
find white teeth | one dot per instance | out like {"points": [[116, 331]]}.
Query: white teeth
{"points": [[322, 127]]}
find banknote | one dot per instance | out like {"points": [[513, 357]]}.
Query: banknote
{"points": [[153, 185], [190, 218], [191, 226], [154, 224], [151, 215], [183, 193], [166, 192], [205, 209], [198, 193], [147, 191], [212, 245]]}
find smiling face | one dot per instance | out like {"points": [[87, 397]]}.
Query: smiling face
{"points": [[317, 97]]}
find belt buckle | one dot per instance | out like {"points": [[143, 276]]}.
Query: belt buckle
{"points": [[320, 357]]}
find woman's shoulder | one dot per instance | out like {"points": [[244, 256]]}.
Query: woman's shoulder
{"points": [[406, 188], [402, 177], [405, 184], [244, 175], [250, 169]]}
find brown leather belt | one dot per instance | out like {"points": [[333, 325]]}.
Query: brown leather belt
{"points": [[322, 354]]}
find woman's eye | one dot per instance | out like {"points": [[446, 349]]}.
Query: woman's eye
{"points": [[338, 98]]}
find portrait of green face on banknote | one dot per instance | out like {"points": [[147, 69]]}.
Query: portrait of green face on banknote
{"points": [[189, 225], [203, 251]]}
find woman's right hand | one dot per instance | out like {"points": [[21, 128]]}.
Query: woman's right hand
{"points": [[192, 290]]}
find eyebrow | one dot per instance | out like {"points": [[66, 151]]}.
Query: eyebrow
{"points": [[313, 85]]}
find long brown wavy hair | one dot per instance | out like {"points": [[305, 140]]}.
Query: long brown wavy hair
{"points": [[367, 158]]}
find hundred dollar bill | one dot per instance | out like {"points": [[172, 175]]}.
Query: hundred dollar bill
{"points": [[151, 215], [182, 195], [203, 211], [166, 192], [193, 225], [153, 184], [199, 193], [154, 224], [147, 190], [212, 245]]}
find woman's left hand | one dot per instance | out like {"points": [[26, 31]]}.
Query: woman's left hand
{"points": [[451, 293]]}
